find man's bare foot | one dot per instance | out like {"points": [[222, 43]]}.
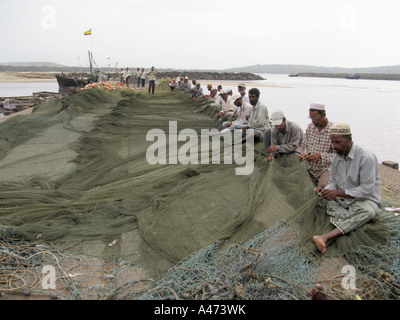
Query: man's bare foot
{"points": [[318, 293], [320, 243]]}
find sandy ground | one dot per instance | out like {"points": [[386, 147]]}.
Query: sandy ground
{"points": [[27, 76]]}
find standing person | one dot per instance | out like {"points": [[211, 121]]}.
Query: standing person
{"points": [[137, 77], [121, 76], [352, 196], [317, 145], [152, 79], [286, 136], [259, 118], [143, 77], [127, 76]]}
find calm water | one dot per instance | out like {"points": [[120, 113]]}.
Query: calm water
{"points": [[371, 107], [16, 89]]}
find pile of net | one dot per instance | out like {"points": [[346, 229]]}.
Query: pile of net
{"points": [[79, 197]]}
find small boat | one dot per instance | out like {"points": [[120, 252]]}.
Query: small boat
{"points": [[64, 81], [70, 83], [293, 75]]}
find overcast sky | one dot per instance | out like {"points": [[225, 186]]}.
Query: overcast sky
{"points": [[216, 34]]}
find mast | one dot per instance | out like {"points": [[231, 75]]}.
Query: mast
{"points": [[90, 62]]}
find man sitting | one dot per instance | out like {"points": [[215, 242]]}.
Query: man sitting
{"points": [[352, 196], [284, 137], [317, 145]]}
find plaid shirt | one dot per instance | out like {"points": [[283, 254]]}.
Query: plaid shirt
{"points": [[318, 142]]}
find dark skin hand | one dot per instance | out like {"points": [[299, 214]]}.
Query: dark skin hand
{"points": [[331, 194], [314, 157]]}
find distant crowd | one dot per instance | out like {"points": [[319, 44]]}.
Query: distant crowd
{"points": [[140, 77]]}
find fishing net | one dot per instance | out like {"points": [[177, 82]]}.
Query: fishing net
{"points": [[76, 178]]}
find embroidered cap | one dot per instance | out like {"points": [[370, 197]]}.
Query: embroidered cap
{"points": [[317, 106], [340, 128]]}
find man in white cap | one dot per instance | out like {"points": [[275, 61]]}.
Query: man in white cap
{"points": [[227, 107], [352, 196], [285, 136], [241, 115], [242, 92], [317, 145]]}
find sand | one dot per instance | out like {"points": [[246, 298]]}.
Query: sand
{"points": [[27, 76]]}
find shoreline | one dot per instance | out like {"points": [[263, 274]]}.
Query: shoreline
{"points": [[27, 77]]}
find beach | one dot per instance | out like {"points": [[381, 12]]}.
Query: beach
{"points": [[27, 76]]}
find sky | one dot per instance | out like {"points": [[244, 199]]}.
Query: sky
{"points": [[216, 34]]}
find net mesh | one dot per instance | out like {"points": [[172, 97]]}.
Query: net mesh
{"points": [[78, 195]]}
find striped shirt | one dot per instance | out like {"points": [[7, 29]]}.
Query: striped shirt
{"points": [[318, 142]]}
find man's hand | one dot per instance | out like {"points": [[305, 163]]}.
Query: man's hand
{"points": [[302, 156], [271, 149], [330, 194], [271, 157], [313, 157]]}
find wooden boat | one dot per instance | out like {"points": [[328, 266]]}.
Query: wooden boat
{"points": [[64, 81], [70, 83]]}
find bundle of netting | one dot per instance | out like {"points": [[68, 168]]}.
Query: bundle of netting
{"points": [[78, 176]]}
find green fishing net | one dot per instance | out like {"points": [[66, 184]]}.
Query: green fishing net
{"points": [[76, 177]]}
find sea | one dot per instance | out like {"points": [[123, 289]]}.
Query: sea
{"points": [[370, 107]]}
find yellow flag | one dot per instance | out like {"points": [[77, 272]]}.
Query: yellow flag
{"points": [[88, 33]]}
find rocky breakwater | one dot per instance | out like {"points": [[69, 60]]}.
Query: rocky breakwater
{"points": [[204, 75]]}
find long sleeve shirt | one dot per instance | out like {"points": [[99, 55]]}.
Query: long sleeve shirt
{"points": [[243, 113], [289, 140], [227, 105], [357, 174], [259, 118], [318, 142]]}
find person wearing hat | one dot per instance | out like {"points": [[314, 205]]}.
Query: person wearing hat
{"points": [[285, 136], [317, 145], [352, 196], [227, 107], [242, 113], [184, 85], [242, 92]]}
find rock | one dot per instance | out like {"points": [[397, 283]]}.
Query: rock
{"points": [[391, 164]]}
